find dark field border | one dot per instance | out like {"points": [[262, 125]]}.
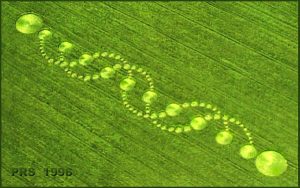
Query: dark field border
{"points": [[127, 1]]}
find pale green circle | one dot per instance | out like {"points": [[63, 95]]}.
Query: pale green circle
{"points": [[107, 72], [65, 47], [173, 109], [45, 34], [224, 138], [85, 59], [149, 97], [29, 23], [127, 84], [271, 163], [198, 123], [248, 152]]}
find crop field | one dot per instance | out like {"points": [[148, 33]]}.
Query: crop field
{"points": [[149, 93]]}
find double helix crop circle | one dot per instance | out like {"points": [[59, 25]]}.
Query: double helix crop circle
{"points": [[269, 163]]}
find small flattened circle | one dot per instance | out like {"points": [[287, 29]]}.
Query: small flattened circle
{"points": [[45, 34], [162, 114], [85, 59], [224, 138], [187, 128], [126, 66], [271, 163], [149, 97], [185, 105], [194, 104], [178, 130], [198, 123], [248, 152], [173, 109], [117, 66], [107, 73], [65, 47], [29, 23], [127, 84]]}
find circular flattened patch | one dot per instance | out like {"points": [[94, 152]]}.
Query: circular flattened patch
{"points": [[271, 163], [198, 123], [85, 59], [45, 34], [29, 23], [107, 72], [224, 138], [149, 97], [127, 84], [65, 47], [248, 152], [173, 109]]}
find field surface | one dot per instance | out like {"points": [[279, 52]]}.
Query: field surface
{"points": [[240, 56]]}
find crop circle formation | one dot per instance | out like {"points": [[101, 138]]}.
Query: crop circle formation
{"points": [[269, 163]]}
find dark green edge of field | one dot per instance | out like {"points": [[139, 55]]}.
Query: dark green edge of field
{"points": [[242, 56]]}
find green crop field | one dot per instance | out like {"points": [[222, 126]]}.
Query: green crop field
{"points": [[149, 93]]}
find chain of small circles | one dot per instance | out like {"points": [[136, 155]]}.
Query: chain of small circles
{"points": [[128, 84], [67, 66]]}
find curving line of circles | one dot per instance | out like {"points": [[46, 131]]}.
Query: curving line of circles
{"points": [[269, 163]]}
